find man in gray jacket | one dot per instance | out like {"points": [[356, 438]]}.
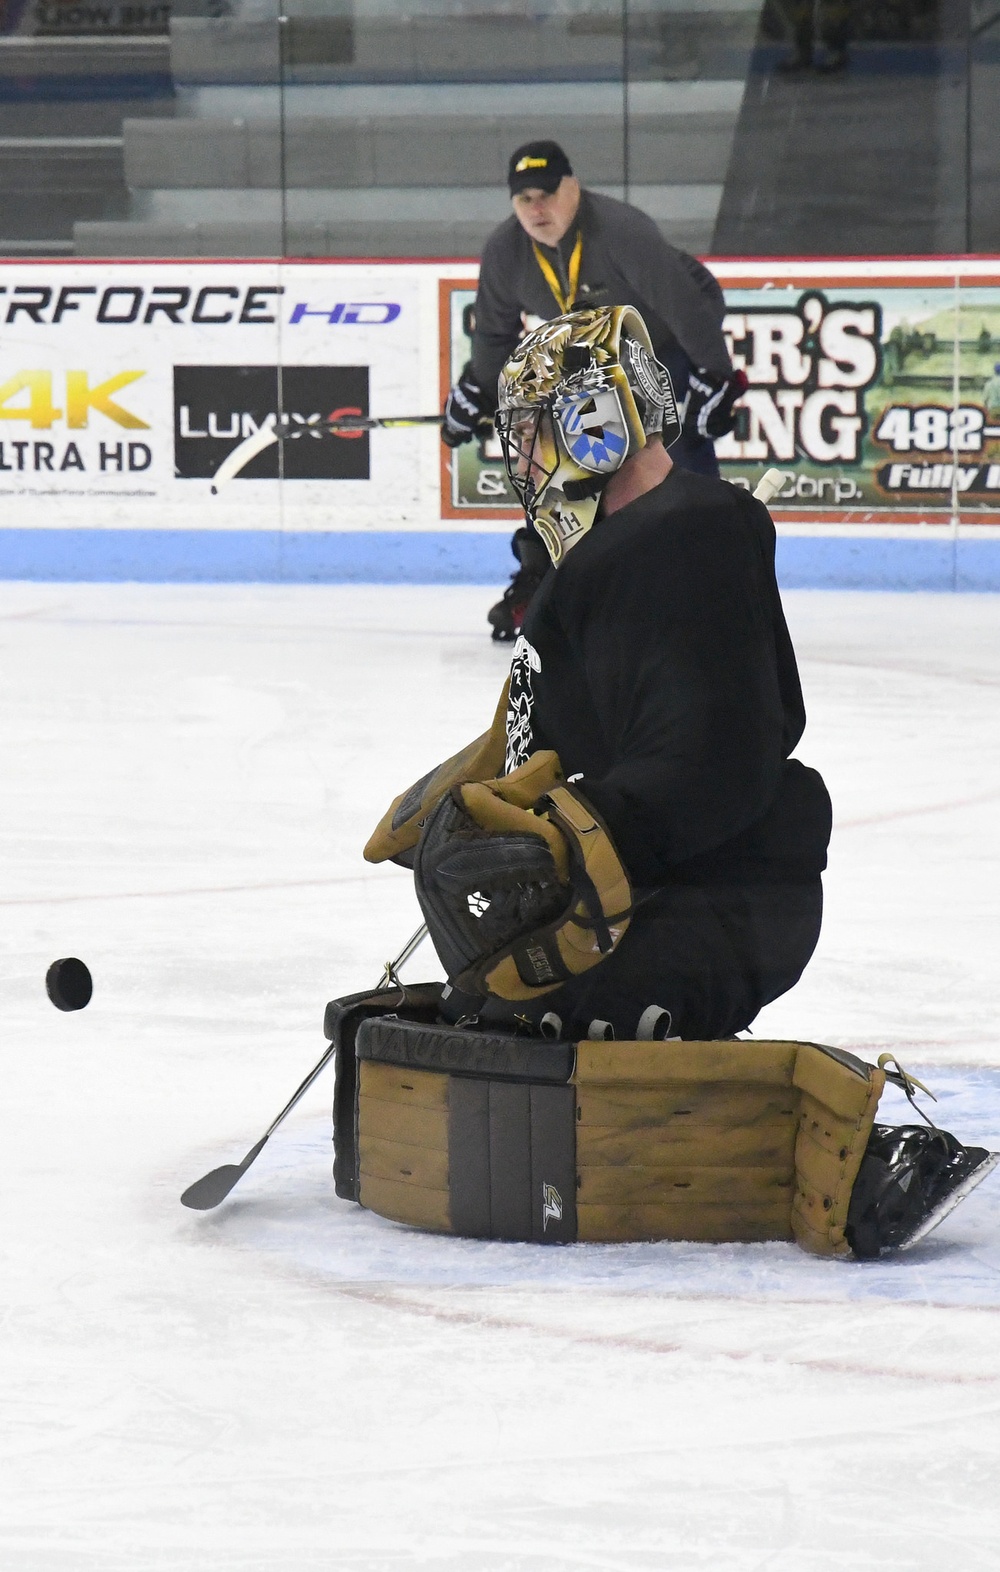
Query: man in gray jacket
{"points": [[562, 248]]}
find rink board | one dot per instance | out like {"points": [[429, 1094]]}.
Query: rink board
{"points": [[124, 386], [815, 561]]}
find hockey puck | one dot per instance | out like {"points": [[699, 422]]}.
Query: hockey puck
{"points": [[69, 984]]}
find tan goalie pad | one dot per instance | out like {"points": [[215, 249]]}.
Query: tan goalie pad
{"points": [[720, 1141], [398, 830], [705, 1142], [685, 1140], [403, 1145], [836, 1114]]}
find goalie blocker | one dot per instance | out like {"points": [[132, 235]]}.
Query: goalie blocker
{"points": [[495, 1136]]}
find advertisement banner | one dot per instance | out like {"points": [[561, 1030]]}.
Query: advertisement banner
{"points": [[124, 386], [883, 401], [875, 386], [473, 478]]}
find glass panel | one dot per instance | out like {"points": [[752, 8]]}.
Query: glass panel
{"points": [[400, 116], [71, 76], [399, 119], [210, 185], [378, 127], [984, 126], [687, 67], [852, 137], [140, 129]]}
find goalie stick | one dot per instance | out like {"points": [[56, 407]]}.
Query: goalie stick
{"points": [[769, 484], [286, 430], [213, 1187]]}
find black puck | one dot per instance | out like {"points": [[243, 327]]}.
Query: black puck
{"points": [[69, 984]]}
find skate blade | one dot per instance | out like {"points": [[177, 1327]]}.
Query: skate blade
{"points": [[951, 1201]]}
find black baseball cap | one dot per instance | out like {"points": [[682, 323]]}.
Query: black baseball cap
{"points": [[541, 164]]}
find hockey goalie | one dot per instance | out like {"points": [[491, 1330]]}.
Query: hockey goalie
{"points": [[619, 875]]}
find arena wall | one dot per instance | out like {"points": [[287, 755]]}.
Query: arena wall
{"points": [[124, 385]]}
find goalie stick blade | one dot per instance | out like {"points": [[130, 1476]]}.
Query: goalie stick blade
{"points": [[769, 485], [213, 1188], [241, 456], [952, 1200]]}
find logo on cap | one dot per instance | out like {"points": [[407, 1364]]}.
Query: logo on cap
{"points": [[530, 163]]}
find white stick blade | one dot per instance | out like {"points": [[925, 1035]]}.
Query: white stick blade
{"points": [[769, 485], [241, 456]]}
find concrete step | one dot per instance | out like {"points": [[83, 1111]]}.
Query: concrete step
{"points": [[55, 246], [487, 48], [85, 58], [414, 151], [337, 237], [513, 101], [396, 204], [262, 238], [97, 117], [44, 165]]}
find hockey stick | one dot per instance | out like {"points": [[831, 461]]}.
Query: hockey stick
{"points": [[286, 430], [769, 484], [208, 1191]]}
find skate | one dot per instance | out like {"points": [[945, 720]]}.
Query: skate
{"points": [[911, 1177], [506, 617]]}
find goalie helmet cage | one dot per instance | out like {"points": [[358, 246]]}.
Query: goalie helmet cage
{"points": [[493, 1136]]}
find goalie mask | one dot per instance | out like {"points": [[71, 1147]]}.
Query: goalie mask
{"points": [[579, 396]]}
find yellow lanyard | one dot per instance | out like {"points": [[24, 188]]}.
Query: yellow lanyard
{"points": [[564, 302]]}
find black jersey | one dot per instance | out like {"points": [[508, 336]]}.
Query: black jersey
{"points": [[625, 261], [657, 663]]}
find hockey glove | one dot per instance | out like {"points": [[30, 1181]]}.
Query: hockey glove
{"points": [[710, 402], [465, 408], [398, 831], [520, 884]]}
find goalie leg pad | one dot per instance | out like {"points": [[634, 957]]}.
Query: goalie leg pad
{"points": [[487, 1152], [502, 1137], [341, 1021]]}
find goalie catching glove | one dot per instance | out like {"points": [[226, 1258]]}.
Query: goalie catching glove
{"points": [[398, 831], [520, 883]]}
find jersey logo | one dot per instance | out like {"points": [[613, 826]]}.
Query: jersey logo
{"points": [[520, 701]]}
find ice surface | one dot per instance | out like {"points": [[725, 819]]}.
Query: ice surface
{"points": [[289, 1384]]}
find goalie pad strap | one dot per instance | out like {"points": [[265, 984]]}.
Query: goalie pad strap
{"points": [[451, 1048], [676, 1140], [511, 1160]]}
